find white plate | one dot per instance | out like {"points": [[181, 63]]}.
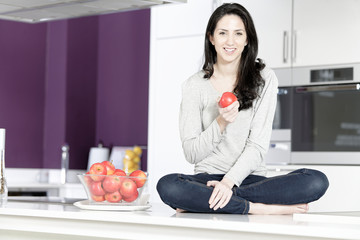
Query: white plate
{"points": [[109, 207]]}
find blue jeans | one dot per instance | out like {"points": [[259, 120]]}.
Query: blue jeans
{"points": [[190, 193]]}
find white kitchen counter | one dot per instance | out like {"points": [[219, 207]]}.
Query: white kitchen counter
{"points": [[59, 221], [21, 180]]}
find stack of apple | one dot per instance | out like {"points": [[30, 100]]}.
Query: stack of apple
{"points": [[104, 182]]}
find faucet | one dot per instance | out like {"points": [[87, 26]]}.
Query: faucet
{"points": [[64, 162]]}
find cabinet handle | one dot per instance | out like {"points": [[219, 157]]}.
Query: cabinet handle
{"points": [[280, 146], [347, 87], [294, 46], [285, 47]]}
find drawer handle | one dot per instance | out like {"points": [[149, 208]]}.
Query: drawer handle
{"points": [[279, 146]]}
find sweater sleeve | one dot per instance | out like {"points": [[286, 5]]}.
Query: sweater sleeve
{"points": [[258, 140], [197, 142]]}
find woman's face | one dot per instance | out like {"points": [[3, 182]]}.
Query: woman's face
{"points": [[229, 39]]}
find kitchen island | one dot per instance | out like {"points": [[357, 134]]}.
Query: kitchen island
{"points": [[39, 220]]}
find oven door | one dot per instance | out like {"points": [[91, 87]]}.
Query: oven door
{"points": [[326, 124], [280, 143]]}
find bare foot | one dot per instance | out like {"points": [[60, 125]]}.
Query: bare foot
{"points": [[179, 210], [260, 208]]}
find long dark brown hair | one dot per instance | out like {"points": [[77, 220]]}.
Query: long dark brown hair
{"points": [[249, 80]]}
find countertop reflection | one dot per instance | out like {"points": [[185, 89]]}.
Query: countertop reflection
{"points": [[166, 220]]}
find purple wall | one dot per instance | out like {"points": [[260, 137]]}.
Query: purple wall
{"points": [[81, 89], [70, 112], [123, 79], [22, 83], [55, 93], [75, 81]]}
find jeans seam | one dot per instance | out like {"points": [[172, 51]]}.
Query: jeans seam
{"points": [[246, 210], [246, 202]]}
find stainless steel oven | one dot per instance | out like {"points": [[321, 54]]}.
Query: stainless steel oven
{"points": [[317, 120], [326, 124]]}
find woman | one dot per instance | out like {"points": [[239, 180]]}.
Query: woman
{"points": [[227, 145]]}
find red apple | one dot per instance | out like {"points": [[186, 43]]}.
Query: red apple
{"points": [[128, 188], [98, 198], [132, 198], [113, 197], [88, 180], [139, 177], [97, 189], [98, 169], [111, 183], [226, 99], [119, 172], [109, 167]]}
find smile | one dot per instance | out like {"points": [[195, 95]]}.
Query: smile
{"points": [[230, 50]]}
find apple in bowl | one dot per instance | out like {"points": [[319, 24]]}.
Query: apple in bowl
{"points": [[139, 177], [111, 183], [114, 188]]}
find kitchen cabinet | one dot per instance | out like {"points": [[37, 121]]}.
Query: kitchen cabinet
{"points": [[298, 33], [326, 32], [173, 60], [183, 19], [272, 21]]}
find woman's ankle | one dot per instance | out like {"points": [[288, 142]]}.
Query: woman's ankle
{"points": [[266, 209]]}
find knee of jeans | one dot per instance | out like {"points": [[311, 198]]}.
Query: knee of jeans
{"points": [[319, 183], [165, 185]]}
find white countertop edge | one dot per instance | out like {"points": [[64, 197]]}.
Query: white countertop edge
{"points": [[327, 218], [308, 229]]}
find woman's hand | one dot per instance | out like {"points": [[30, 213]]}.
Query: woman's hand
{"points": [[221, 194], [227, 115]]}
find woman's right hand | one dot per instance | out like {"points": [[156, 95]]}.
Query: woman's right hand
{"points": [[227, 115]]}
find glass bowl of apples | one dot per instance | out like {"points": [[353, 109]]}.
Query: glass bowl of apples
{"points": [[106, 185]]}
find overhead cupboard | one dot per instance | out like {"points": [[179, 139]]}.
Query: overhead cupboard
{"points": [[179, 20], [306, 32], [303, 33], [292, 33]]}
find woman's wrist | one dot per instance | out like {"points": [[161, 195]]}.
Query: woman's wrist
{"points": [[227, 182], [222, 124]]}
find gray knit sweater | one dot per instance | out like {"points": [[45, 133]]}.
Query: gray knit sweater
{"points": [[240, 149]]}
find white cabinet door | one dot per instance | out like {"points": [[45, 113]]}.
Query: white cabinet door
{"points": [[319, 32], [327, 32], [173, 61], [176, 53], [182, 19], [273, 25]]}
